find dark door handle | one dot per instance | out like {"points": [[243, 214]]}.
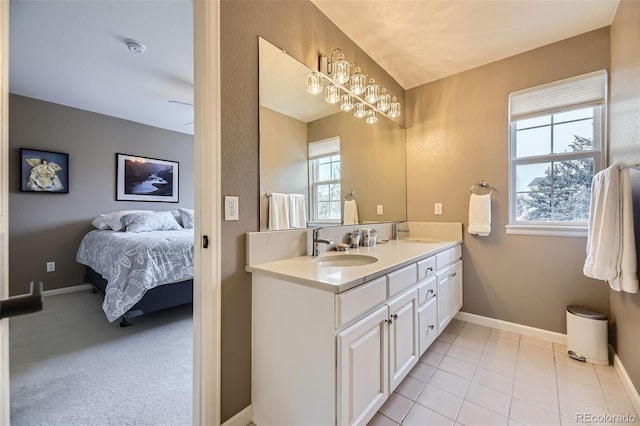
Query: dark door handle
{"points": [[24, 304]]}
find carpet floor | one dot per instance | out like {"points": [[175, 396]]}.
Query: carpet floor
{"points": [[70, 366]]}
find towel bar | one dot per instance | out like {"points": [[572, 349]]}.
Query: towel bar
{"points": [[483, 184]]}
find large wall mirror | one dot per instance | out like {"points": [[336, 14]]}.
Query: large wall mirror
{"points": [[372, 157]]}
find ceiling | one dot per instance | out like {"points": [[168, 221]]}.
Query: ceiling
{"points": [[441, 38], [73, 52]]}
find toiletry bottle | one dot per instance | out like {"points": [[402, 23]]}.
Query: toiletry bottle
{"points": [[373, 237], [366, 234], [355, 239]]}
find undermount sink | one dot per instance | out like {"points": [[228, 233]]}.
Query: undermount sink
{"points": [[342, 260], [420, 240]]}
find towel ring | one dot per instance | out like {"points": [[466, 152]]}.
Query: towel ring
{"points": [[483, 184], [351, 195]]}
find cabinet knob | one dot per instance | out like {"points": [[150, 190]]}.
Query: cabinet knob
{"points": [[453, 274], [429, 269], [431, 327], [394, 316], [389, 321], [430, 291]]}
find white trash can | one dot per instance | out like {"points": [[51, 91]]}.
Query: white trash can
{"points": [[587, 332]]}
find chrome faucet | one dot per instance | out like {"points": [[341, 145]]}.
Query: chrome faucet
{"points": [[317, 241], [397, 230]]}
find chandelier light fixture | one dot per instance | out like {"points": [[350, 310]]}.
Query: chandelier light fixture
{"points": [[351, 92]]}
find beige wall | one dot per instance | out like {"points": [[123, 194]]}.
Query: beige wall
{"points": [[283, 158], [61, 220], [300, 29], [624, 145], [373, 161], [457, 132]]}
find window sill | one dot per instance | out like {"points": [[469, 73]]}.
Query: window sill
{"points": [[548, 230]]}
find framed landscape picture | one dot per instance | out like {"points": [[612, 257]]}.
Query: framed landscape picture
{"points": [[146, 179], [44, 171]]}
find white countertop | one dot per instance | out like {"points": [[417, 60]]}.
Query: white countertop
{"points": [[391, 256]]}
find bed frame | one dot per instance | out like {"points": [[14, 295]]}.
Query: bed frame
{"points": [[158, 298]]}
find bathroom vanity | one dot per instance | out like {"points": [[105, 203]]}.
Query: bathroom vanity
{"points": [[334, 335]]}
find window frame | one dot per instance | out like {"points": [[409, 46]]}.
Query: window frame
{"points": [[313, 163], [555, 228]]}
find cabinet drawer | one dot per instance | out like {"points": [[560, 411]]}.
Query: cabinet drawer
{"points": [[443, 259], [355, 302], [456, 253], [426, 267], [402, 278], [427, 289]]}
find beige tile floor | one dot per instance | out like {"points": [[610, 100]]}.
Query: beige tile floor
{"points": [[475, 375]]}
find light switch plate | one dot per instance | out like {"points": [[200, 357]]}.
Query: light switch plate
{"points": [[437, 208], [379, 209]]}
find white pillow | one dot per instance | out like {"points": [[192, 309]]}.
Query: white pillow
{"points": [[112, 220], [150, 221], [176, 216], [187, 217]]}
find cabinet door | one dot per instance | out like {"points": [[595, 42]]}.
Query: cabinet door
{"points": [[456, 287], [363, 372], [444, 297], [404, 346], [428, 324]]}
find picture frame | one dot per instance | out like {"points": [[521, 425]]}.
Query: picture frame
{"points": [[44, 171], [141, 178]]}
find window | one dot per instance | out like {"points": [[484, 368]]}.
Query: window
{"points": [[555, 147], [324, 180]]}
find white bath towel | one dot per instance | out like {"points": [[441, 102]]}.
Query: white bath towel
{"points": [[350, 215], [278, 211], [611, 250], [297, 211], [480, 215]]}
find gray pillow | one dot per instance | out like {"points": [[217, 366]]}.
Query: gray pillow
{"points": [[187, 217], [149, 221]]}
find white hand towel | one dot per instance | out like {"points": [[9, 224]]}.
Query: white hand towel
{"points": [[350, 213], [297, 212], [278, 211], [480, 215], [611, 249]]}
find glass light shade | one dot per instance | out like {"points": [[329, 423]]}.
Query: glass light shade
{"points": [[394, 108], [360, 111], [340, 70], [384, 100], [357, 82], [372, 117], [314, 83], [371, 92], [346, 102], [332, 94]]}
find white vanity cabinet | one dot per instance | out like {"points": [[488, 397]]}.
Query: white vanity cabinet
{"points": [[362, 368], [326, 358]]}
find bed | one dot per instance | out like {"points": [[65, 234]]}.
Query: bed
{"points": [[138, 272]]}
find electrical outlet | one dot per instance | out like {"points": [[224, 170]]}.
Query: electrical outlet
{"points": [[379, 209], [51, 266], [231, 210], [437, 208]]}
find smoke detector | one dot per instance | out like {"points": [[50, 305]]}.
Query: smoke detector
{"points": [[135, 47]]}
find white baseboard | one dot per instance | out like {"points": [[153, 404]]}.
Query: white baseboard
{"points": [[243, 418], [632, 392], [65, 290], [513, 327]]}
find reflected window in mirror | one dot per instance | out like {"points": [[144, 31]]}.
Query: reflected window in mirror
{"points": [[324, 180]]}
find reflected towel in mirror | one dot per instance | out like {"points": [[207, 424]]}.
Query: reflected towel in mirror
{"points": [[350, 215], [278, 211], [297, 212]]}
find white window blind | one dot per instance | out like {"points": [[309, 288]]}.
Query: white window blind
{"points": [[324, 147], [580, 90]]}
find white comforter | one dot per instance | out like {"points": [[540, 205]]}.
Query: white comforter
{"points": [[133, 263]]}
